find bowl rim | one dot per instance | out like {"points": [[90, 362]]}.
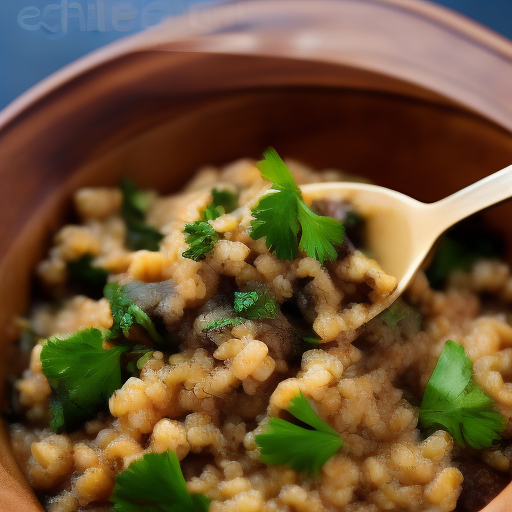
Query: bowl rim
{"points": [[196, 31]]}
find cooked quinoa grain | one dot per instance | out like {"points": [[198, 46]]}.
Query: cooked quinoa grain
{"points": [[209, 392]]}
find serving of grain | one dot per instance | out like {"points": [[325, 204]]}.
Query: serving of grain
{"points": [[208, 390]]}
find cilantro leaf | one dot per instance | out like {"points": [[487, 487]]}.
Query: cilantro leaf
{"points": [[155, 483], [201, 235], [201, 240], [139, 234], [125, 313], [396, 312], [455, 402], [255, 305], [86, 277], [280, 215], [275, 170], [276, 219], [302, 449], [83, 374], [319, 234]]}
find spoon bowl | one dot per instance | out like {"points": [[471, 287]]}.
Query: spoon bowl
{"points": [[401, 231]]}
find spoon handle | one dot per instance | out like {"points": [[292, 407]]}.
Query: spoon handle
{"points": [[480, 195]]}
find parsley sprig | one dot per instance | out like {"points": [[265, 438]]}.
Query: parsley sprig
{"points": [[302, 449], [201, 237], [139, 234], [83, 374], [280, 216], [253, 305], [155, 483], [457, 404]]}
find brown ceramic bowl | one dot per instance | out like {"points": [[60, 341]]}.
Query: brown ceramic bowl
{"points": [[404, 92]]}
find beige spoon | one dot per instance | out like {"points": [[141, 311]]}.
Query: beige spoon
{"points": [[400, 230]]}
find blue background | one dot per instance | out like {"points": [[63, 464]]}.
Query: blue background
{"points": [[34, 40]]}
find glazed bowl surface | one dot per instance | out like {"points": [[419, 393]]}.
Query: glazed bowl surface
{"points": [[404, 93]]}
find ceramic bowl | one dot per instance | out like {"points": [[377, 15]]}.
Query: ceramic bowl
{"points": [[406, 93]]}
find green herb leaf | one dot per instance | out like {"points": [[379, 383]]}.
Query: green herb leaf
{"points": [[155, 483], [396, 312], [139, 234], [320, 234], [125, 313], [313, 341], [223, 322], [87, 278], [201, 240], [255, 305], [144, 359], [454, 402], [282, 442], [201, 235], [279, 216], [66, 416], [276, 219], [223, 201], [83, 374], [135, 359]]}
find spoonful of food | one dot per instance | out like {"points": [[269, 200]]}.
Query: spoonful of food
{"points": [[401, 231]]}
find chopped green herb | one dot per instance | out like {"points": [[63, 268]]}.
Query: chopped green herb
{"points": [[314, 342], [223, 201], [83, 374], [155, 483], [463, 245], [255, 305], [201, 240], [201, 235], [396, 312], [144, 359], [279, 216], [223, 322], [302, 449], [86, 277], [454, 402], [125, 313], [139, 234], [136, 358], [66, 415]]}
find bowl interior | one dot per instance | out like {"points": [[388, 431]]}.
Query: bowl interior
{"points": [[420, 147], [418, 144]]}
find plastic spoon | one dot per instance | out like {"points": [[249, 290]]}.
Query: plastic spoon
{"points": [[400, 230]]}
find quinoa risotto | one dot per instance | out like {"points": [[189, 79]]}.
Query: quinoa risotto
{"points": [[230, 336]]}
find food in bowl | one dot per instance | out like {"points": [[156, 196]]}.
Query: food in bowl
{"points": [[208, 351]]}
